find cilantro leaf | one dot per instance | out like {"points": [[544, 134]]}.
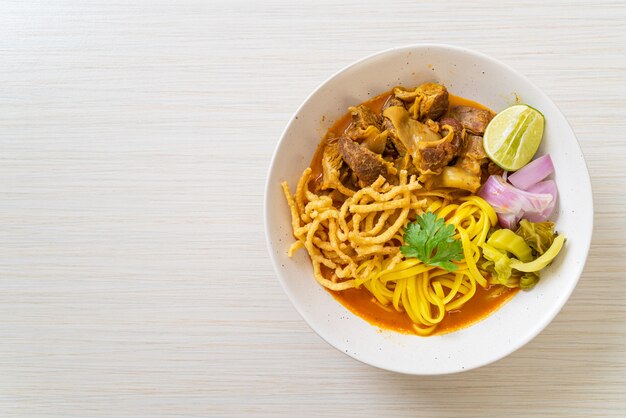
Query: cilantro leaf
{"points": [[432, 241]]}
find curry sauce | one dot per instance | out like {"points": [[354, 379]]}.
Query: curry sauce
{"points": [[362, 303]]}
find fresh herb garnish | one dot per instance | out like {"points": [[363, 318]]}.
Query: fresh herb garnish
{"points": [[432, 241]]}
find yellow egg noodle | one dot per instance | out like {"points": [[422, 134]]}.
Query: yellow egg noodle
{"points": [[359, 242]]}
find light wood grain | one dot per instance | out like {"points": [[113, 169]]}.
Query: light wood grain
{"points": [[134, 142]]}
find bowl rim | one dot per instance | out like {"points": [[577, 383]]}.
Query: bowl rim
{"points": [[549, 315]]}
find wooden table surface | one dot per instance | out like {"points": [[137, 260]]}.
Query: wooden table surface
{"points": [[134, 143]]}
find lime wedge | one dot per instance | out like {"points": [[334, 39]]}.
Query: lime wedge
{"points": [[513, 136]]}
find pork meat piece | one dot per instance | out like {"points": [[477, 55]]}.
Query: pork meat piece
{"points": [[362, 118], [432, 99], [473, 119], [366, 164], [456, 145]]}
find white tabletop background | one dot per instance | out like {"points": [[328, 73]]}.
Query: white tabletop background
{"points": [[134, 142]]}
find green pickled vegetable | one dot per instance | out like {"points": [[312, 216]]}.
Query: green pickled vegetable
{"points": [[511, 257], [543, 260], [528, 281], [538, 235], [500, 264], [507, 240]]}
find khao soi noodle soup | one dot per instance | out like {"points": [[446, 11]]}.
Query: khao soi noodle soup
{"points": [[407, 214]]}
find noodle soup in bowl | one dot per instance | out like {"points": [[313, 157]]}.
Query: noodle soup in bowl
{"points": [[465, 74]]}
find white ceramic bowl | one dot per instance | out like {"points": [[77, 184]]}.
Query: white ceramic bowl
{"points": [[487, 81]]}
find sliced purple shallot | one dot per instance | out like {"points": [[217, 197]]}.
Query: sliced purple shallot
{"points": [[532, 199]]}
